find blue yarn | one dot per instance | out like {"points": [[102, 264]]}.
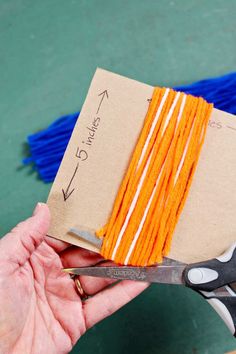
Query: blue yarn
{"points": [[220, 90], [47, 147]]}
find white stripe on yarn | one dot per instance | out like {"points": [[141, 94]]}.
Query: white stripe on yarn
{"points": [[168, 118], [132, 206], [136, 237], [134, 201], [164, 98], [142, 221], [154, 123], [184, 155]]}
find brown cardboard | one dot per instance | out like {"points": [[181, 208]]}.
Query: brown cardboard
{"points": [[90, 178]]}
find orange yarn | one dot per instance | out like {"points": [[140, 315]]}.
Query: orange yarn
{"points": [[155, 187]]}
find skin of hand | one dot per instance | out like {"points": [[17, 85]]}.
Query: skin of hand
{"points": [[41, 311]]}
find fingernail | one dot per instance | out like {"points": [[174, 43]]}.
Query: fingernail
{"points": [[36, 209]]}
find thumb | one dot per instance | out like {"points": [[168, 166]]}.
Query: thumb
{"points": [[18, 245]]}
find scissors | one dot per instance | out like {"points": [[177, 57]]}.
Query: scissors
{"points": [[214, 279]]}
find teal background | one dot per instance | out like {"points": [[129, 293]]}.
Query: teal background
{"points": [[49, 51]]}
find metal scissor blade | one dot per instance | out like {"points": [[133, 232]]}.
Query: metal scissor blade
{"points": [[87, 235], [163, 273]]}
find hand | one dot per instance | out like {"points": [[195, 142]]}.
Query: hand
{"points": [[41, 311]]}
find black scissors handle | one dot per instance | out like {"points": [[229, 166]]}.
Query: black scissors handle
{"points": [[212, 280], [212, 274]]}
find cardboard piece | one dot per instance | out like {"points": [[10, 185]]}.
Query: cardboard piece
{"points": [[98, 155]]}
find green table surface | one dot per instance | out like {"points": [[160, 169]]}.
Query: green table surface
{"points": [[49, 51]]}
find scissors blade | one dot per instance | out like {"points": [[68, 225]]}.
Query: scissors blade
{"points": [[169, 272], [87, 235]]}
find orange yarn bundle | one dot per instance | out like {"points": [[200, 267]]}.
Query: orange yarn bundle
{"points": [[155, 187]]}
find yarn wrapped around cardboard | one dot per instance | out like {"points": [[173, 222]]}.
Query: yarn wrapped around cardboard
{"points": [[98, 155]]}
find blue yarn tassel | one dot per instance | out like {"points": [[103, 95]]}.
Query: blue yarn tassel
{"points": [[47, 147], [220, 90]]}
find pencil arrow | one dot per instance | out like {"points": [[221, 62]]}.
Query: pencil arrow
{"points": [[67, 193], [230, 127], [102, 94]]}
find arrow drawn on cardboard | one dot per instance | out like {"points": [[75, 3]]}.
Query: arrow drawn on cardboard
{"points": [[103, 95], [67, 193]]}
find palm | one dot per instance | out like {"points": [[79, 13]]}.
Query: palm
{"points": [[43, 311]]}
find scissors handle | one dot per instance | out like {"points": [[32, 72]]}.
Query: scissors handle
{"points": [[226, 309], [212, 274], [209, 277]]}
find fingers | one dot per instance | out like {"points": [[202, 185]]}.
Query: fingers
{"points": [[18, 245], [78, 257], [110, 300], [92, 285], [57, 245]]}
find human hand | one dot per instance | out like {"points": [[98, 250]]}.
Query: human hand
{"points": [[41, 311]]}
